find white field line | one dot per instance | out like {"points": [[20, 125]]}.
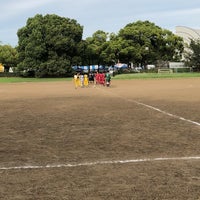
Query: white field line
{"points": [[165, 113], [116, 161], [100, 163], [154, 108]]}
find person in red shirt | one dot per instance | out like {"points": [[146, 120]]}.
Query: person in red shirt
{"points": [[102, 79]]}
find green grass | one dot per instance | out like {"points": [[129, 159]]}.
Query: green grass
{"points": [[20, 80], [155, 75], [117, 77]]}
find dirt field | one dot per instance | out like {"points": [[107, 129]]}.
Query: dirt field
{"points": [[137, 140]]}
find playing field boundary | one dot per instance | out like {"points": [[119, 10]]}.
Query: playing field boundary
{"points": [[166, 113], [153, 108], [100, 163]]}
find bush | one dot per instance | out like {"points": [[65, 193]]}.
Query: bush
{"points": [[181, 70], [8, 74]]}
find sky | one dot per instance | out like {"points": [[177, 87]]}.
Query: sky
{"points": [[107, 15]]}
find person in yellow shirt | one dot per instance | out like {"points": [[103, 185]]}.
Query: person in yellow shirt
{"points": [[76, 80], [86, 82], [1, 68]]}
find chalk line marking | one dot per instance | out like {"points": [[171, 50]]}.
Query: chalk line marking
{"points": [[166, 113], [100, 163], [156, 109]]}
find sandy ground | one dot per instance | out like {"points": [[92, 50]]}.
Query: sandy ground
{"points": [[55, 124]]}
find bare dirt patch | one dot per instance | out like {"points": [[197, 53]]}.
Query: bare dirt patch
{"points": [[53, 123]]}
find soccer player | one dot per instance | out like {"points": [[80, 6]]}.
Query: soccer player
{"points": [[76, 80], [108, 79], [85, 82]]}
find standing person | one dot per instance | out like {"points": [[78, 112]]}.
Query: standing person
{"points": [[108, 79], [76, 80], [97, 78], [102, 79], [91, 77], [86, 82], [81, 77]]}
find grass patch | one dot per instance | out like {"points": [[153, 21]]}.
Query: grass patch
{"points": [[117, 77], [21, 80], [155, 75]]}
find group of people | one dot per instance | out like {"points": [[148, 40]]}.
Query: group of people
{"points": [[84, 79]]}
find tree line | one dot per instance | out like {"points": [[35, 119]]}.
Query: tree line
{"points": [[50, 45]]}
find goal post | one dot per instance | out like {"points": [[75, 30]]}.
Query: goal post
{"points": [[165, 71]]}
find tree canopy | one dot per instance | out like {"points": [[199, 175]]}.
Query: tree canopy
{"points": [[192, 55], [95, 46], [8, 55], [143, 42], [48, 45]]}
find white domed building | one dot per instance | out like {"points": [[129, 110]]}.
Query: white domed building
{"points": [[187, 33]]}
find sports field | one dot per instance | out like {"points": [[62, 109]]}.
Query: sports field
{"points": [[137, 140]]}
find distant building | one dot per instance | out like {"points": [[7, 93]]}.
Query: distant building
{"points": [[187, 33]]}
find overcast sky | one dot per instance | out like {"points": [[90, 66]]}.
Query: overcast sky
{"points": [[107, 15]]}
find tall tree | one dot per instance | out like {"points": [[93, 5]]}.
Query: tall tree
{"points": [[143, 42], [192, 55], [8, 56], [48, 45], [95, 47]]}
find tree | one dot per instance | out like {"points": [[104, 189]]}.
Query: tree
{"points": [[8, 56], [112, 49], [95, 46], [192, 55], [144, 42], [48, 45]]}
